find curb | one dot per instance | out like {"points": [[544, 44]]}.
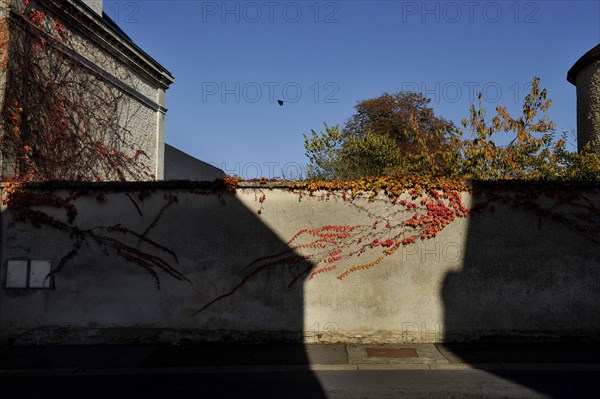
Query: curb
{"points": [[303, 368]]}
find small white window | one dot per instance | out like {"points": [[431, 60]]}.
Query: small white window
{"points": [[27, 274], [16, 274], [38, 271]]}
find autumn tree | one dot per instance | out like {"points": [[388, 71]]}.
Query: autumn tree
{"points": [[399, 135], [394, 115], [534, 151], [392, 133]]}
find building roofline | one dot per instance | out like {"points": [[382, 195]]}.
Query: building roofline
{"points": [[586, 59], [113, 39]]}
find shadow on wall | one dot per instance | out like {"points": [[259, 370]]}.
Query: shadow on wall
{"points": [[182, 166], [215, 237], [528, 280]]}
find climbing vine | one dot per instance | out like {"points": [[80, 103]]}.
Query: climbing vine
{"points": [[30, 202], [50, 134], [401, 213], [407, 210], [61, 119], [346, 249]]}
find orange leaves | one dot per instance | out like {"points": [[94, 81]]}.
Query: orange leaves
{"points": [[15, 118], [322, 270], [391, 186], [327, 233], [231, 182], [10, 187], [334, 256], [366, 266], [409, 240], [388, 243]]}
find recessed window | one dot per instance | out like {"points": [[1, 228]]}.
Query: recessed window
{"points": [[22, 273]]}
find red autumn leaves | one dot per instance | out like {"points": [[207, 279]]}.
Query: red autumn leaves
{"points": [[435, 210]]}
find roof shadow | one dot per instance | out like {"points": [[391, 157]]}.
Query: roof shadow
{"points": [[529, 288], [218, 241]]}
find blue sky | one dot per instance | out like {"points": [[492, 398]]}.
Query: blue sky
{"points": [[233, 60]]}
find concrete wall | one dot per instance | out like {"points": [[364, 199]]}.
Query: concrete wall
{"points": [[506, 274], [182, 166]]}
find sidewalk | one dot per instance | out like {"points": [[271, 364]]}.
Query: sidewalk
{"points": [[148, 359]]}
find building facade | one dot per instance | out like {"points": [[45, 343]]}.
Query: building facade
{"points": [[111, 63]]}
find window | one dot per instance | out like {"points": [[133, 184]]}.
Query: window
{"points": [[24, 273]]}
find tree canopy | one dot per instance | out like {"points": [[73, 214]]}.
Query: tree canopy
{"points": [[386, 134], [402, 116], [398, 134]]}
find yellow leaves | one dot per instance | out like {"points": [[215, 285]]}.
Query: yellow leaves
{"points": [[496, 122], [14, 118], [10, 186], [532, 153]]}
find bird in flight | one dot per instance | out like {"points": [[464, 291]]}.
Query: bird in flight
{"points": [[280, 102]]}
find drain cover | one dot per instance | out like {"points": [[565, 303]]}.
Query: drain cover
{"points": [[391, 352]]}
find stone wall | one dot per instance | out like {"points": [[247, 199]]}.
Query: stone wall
{"points": [[506, 273], [588, 104]]}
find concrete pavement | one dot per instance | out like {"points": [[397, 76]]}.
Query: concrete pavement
{"points": [[219, 358]]}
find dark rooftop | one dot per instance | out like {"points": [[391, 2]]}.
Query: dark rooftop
{"points": [[587, 58]]}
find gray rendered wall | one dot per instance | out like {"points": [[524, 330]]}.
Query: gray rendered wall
{"points": [[507, 274]]}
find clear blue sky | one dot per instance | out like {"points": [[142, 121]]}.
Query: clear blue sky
{"points": [[233, 60]]}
